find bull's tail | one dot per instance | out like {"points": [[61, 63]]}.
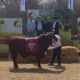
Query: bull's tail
{"points": [[9, 55]]}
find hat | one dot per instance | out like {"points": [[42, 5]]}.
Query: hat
{"points": [[48, 17], [52, 32], [38, 16], [55, 18]]}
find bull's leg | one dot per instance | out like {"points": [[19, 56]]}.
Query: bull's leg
{"points": [[14, 57], [38, 60]]}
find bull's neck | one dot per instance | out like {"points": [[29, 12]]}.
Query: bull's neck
{"points": [[48, 42]]}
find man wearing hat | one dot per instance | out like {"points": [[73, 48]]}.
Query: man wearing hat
{"points": [[48, 25], [55, 26], [39, 26]]}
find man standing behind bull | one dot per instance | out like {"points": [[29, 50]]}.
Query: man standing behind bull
{"points": [[39, 26], [30, 27], [55, 26], [48, 25]]}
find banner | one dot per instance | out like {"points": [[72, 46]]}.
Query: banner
{"points": [[22, 5], [10, 26], [71, 4]]}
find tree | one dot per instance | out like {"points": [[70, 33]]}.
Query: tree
{"points": [[64, 15], [11, 8]]}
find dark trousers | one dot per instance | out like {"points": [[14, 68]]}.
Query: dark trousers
{"points": [[39, 32], [56, 52], [31, 34]]}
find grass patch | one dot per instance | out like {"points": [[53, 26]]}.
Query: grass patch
{"points": [[9, 34], [78, 46], [78, 30], [4, 47], [35, 34], [66, 35]]}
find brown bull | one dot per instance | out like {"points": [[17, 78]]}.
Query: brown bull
{"points": [[18, 45]]}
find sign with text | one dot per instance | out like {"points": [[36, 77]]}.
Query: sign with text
{"points": [[10, 26]]}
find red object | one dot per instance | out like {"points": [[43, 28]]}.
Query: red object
{"points": [[32, 44], [52, 32]]}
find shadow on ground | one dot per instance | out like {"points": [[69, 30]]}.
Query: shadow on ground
{"points": [[38, 70]]}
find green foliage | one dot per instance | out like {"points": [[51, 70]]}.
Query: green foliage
{"points": [[18, 21], [3, 26], [35, 33], [66, 35], [9, 34], [33, 12], [64, 15], [45, 13], [3, 47], [78, 30], [43, 17]]}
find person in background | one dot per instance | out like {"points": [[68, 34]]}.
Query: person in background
{"points": [[48, 25], [39, 26], [55, 26], [57, 49], [30, 27]]}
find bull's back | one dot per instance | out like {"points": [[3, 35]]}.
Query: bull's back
{"points": [[17, 44]]}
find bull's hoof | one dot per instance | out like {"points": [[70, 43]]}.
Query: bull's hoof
{"points": [[15, 67], [39, 67]]}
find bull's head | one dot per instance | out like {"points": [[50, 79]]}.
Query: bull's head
{"points": [[52, 35]]}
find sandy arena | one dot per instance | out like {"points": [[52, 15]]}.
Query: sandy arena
{"points": [[68, 71]]}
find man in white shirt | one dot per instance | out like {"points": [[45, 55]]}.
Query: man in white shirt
{"points": [[57, 50]]}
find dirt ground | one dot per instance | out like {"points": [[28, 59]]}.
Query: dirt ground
{"points": [[68, 71]]}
